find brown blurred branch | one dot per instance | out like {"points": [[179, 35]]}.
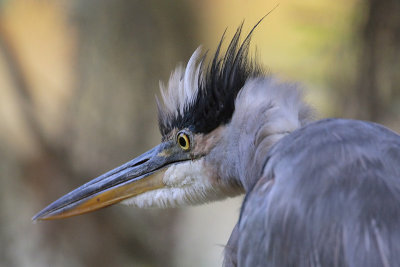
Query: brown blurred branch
{"points": [[22, 90], [48, 151], [378, 82]]}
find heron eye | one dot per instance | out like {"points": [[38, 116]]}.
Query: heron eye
{"points": [[183, 141]]}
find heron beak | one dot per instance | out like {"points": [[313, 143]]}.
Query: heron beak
{"points": [[135, 177]]}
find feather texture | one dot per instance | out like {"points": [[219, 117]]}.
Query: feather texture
{"points": [[201, 99]]}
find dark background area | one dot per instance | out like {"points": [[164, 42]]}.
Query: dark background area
{"points": [[77, 86]]}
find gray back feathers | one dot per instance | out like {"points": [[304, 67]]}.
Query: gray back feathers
{"points": [[329, 196]]}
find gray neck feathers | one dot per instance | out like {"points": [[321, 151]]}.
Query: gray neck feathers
{"points": [[265, 111]]}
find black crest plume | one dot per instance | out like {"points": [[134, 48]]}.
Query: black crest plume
{"points": [[218, 86]]}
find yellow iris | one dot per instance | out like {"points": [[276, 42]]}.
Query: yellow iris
{"points": [[183, 141]]}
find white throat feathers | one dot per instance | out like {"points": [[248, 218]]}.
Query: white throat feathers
{"points": [[187, 183]]}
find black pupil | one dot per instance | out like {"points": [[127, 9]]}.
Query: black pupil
{"points": [[182, 141]]}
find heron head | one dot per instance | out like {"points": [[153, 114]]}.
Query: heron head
{"points": [[196, 107]]}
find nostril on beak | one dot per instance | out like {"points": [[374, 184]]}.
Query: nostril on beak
{"points": [[140, 162]]}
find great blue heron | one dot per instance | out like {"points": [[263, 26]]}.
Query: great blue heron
{"points": [[324, 193]]}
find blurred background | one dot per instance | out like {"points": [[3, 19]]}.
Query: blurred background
{"points": [[77, 86]]}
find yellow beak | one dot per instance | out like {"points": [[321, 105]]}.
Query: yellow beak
{"points": [[135, 177]]}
